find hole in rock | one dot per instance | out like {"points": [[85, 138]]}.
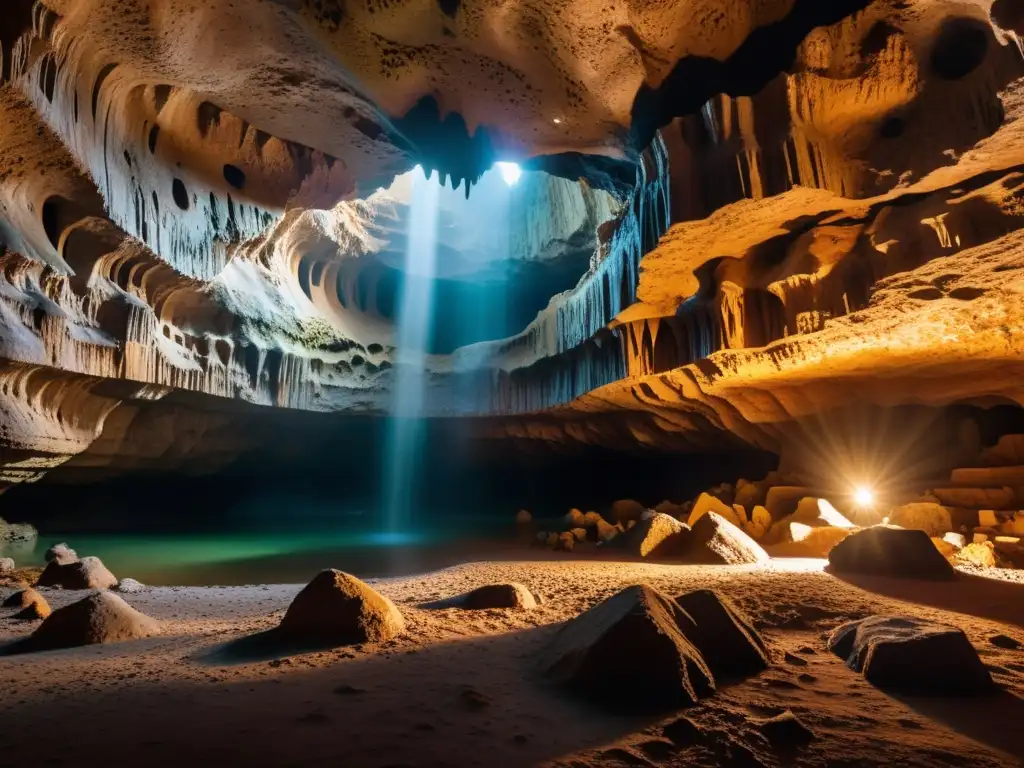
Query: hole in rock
{"points": [[104, 74], [154, 134], [960, 48], [180, 194], [51, 216], [1009, 14], [892, 128], [234, 176]]}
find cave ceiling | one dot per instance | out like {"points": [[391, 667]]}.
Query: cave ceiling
{"points": [[733, 214]]}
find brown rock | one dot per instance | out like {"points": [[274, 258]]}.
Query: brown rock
{"points": [[782, 500], [31, 603], [1008, 452], [888, 551], [728, 641], [339, 609], [707, 503], [910, 655], [523, 517], [806, 541], [715, 540], [498, 596], [87, 573], [629, 653], [976, 498], [657, 536], [60, 553], [7, 566], [670, 509], [988, 477], [982, 554], [580, 534], [933, 519], [625, 510], [606, 531], [102, 617], [946, 549]]}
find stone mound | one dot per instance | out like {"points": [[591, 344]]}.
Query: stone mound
{"points": [[36, 609], [336, 608], [629, 653], [802, 540], [100, 618], [784, 732], [715, 540], [656, 536], [911, 655], [87, 573], [933, 519], [60, 553], [625, 510], [498, 596], [25, 598], [728, 641], [131, 587], [889, 551]]}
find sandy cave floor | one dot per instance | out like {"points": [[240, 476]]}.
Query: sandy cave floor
{"points": [[462, 688]]}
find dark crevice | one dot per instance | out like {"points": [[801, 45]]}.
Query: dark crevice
{"points": [[97, 87]]}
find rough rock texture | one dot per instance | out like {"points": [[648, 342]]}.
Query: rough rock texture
{"points": [[910, 655], [498, 596], [933, 519], [100, 618], [714, 539], [61, 554], [887, 551], [7, 565], [32, 604], [763, 211], [728, 641], [338, 609], [629, 653], [87, 573], [657, 537]]}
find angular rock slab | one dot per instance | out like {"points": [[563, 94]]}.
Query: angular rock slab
{"points": [[728, 641], [336, 608], [715, 540], [910, 655], [629, 653], [100, 618], [87, 573], [510, 595], [887, 551], [656, 536]]}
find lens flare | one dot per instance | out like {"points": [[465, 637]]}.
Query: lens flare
{"points": [[510, 172], [864, 496]]}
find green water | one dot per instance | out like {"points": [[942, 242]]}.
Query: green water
{"points": [[270, 557]]}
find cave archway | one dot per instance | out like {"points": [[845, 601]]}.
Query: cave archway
{"points": [[764, 318]]}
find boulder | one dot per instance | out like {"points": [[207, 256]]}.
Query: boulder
{"points": [[670, 509], [497, 596], [629, 653], [523, 517], [759, 524], [784, 732], [61, 553], [946, 549], [987, 518], [707, 503], [32, 605], [713, 539], [728, 641], [989, 477], [982, 554], [819, 512], [806, 541], [910, 655], [659, 536], [87, 573], [580, 534], [888, 551], [591, 520], [102, 617], [748, 495], [566, 542], [6, 565], [131, 587], [625, 510], [724, 492], [573, 519], [336, 608], [782, 500], [606, 531], [933, 519], [551, 540]]}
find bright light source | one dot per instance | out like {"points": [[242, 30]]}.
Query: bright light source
{"points": [[510, 172], [864, 496], [557, 121]]}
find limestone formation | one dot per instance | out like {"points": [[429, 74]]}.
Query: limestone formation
{"points": [[888, 551], [102, 617], [910, 655], [338, 609], [629, 653], [498, 596], [715, 540], [87, 573]]}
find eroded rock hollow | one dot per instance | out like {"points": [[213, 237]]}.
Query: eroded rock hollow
{"points": [[733, 220]]}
